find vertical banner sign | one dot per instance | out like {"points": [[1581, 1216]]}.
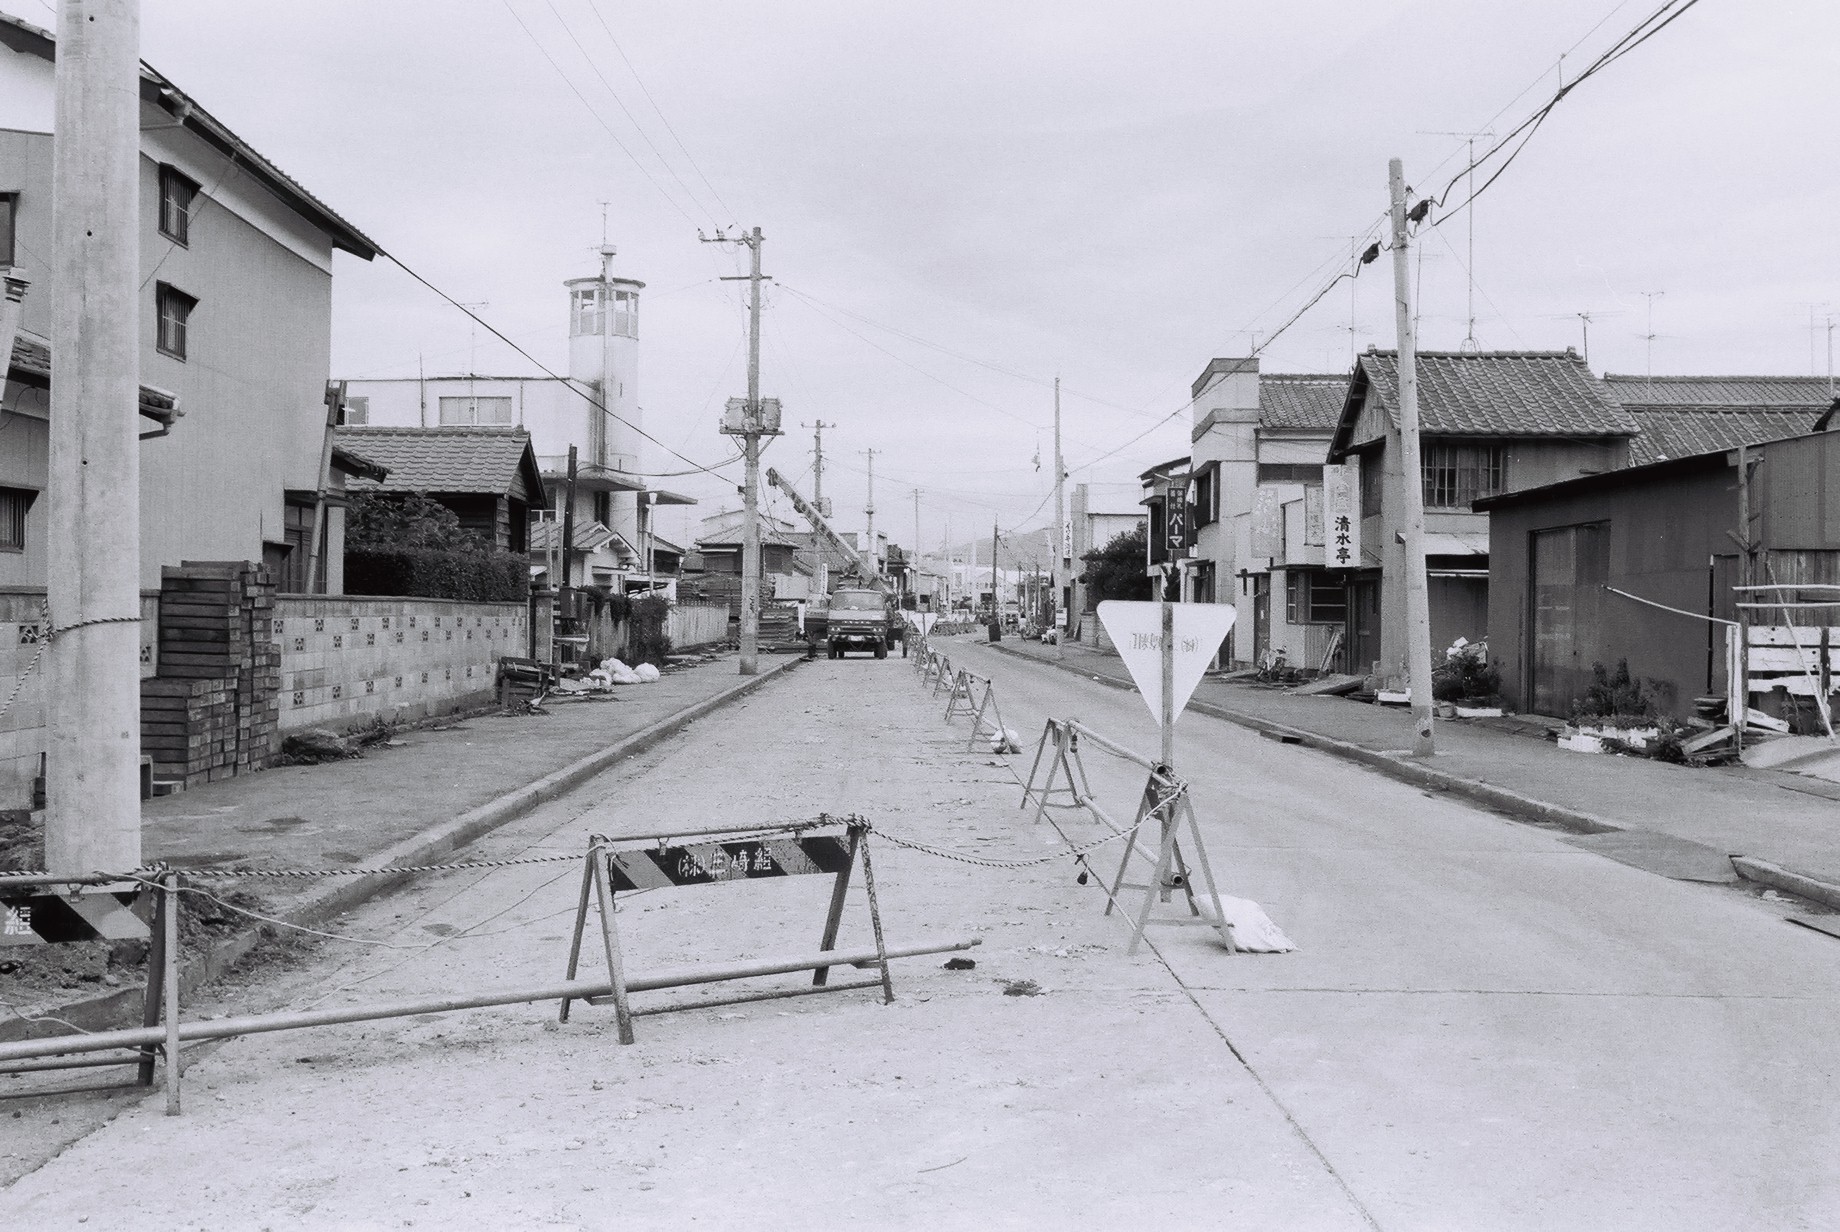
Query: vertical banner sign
{"points": [[1342, 514], [1175, 521], [1313, 517], [1267, 524]]}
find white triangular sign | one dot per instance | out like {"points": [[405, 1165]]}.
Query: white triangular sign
{"points": [[1136, 629], [926, 620]]}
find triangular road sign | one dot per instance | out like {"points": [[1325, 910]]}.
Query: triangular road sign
{"points": [[1136, 629], [925, 620]]}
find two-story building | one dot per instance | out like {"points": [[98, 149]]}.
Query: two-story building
{"points": [[1489, 423], [236, 329]]}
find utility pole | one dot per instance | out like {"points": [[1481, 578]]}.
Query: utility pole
{"points": [[750, 430], [1418, 607], [1058, 574], [996, 593], [817, 466], [916, 549], [93, 535], [869, 509]]}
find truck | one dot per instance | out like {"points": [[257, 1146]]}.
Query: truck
{"points": [[858, 615], [859, 620]]}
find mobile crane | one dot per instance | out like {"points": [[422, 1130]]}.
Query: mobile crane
{"points": [[858, 615]]}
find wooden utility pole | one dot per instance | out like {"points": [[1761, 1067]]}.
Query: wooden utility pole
{"points": [[1418, 603], [869, 510], [1058, 575], [750, 489], [93, 533], [996, 594], [817, 466], [916, 549]]}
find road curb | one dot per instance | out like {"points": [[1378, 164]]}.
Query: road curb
{"points": [[333, 897], [1395, 766], [1776, 877]]}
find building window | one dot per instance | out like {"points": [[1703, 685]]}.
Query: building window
{"points": [[175, 312], [357, 411], [1371, 481], [1314, 598], [177, 192], [13, 505], [9, 214], [603, 509], [1206, 510], [1290, 472], [625, 314], [585, 311], [487, 411], [1457, 474]]}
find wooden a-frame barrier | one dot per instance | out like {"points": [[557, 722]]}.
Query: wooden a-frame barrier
{"points": [[1165, 801], [831, 847], [976, 696]]}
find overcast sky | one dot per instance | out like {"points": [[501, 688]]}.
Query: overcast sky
{"points": [[961, 200]]}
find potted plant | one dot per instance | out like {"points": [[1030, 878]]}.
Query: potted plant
{"points": [[1466, 684], [1613, 716]]}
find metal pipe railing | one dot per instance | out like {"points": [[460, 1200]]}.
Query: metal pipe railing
{"points": [[256, 1024]]}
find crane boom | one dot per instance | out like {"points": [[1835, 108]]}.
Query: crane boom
{"points": [[831, 537]]}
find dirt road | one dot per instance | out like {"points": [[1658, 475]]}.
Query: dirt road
{"points": [[1104, 1099]]}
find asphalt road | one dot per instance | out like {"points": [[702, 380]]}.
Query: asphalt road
{"points": [[1482, 1027]]}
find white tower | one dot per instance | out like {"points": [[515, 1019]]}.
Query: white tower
{"points": [[604, 354]]}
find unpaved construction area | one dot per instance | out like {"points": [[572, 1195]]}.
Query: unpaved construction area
{"points": [[960, 1105], [1482, 1028]]}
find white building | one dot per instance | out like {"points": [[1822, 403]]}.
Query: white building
{"points": [[1097, 514], [594, 409]]}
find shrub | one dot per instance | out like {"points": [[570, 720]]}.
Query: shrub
{"points": [[1116, 571], [648, 639], [428, 573], [1614, 695]]}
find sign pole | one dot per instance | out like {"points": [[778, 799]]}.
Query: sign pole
{"points": [[1166, 620]]}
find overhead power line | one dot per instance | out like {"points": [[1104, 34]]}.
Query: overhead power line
{"points": [[696, 467]]}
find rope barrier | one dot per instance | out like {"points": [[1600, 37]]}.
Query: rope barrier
{"points": [[46, 638]]}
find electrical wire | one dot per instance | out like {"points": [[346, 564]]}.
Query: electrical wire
{"points": [[1522, 133], [714, 218], [694, 166], [547, 370], [595, 112]]}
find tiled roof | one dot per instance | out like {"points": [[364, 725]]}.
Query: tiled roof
{"points": [[30, 364], [1301, 400], [589, 535], [1501, 393], [451, 459], [1679, 432], [1637, 392]]}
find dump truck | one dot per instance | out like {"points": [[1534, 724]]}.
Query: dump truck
{"points": [[859, 620]]}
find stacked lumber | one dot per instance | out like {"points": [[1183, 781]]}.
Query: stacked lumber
{"points": [[214, 709]]}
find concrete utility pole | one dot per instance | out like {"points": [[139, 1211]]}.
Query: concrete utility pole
{"points": [[869, 508], [93, 533], [1418, 604], [752, 430], [1058, 575], [916, 549], [996, 592], [817, 466]]}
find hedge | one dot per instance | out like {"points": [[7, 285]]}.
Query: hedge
{"points": [[424, 573]]}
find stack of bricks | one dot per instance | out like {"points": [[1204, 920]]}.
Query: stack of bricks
{"points": [[213, 711]]}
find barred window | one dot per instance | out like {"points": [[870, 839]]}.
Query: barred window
{"points": [[13, 505], [177, 192], [1314, 598], [1457, 474], [174, 308]]}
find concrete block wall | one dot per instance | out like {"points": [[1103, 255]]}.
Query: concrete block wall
{"points": [[22, 727], [348, 660]]}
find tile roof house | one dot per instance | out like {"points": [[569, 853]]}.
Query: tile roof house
{"points": [[487, 476], [1490, 422], [1684, 415]]}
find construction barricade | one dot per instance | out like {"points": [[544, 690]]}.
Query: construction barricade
{"points": [[825, 845], [1165, 801]]}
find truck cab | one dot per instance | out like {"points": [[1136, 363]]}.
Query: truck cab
{"points": [[858, 620]]}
